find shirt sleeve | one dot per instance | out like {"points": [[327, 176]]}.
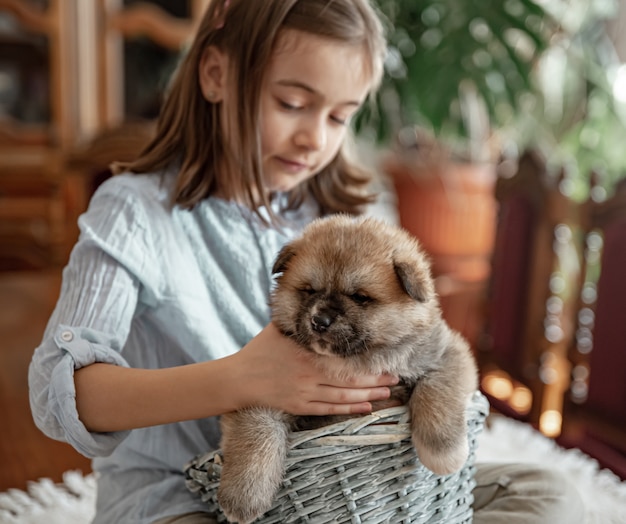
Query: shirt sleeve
{"points": [[107, 281]]}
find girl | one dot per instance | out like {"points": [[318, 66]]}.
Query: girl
{"points": [[162, 321]]}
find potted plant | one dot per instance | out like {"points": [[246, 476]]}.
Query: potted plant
{"points": [[457, 74]]}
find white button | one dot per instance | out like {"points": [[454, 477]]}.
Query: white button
{"points": [[67, 336]]}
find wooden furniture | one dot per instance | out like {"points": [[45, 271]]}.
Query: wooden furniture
{"points": [[594, 417], [36, 125], [75, 74], [134, 48], [521, 352]]}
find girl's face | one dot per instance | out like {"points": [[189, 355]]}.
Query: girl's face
{"points": [[312, 88]]}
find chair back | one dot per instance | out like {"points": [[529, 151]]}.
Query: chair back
{"points": [[525, 325], [595, 403]]}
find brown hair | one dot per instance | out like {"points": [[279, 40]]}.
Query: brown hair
{"points": [[189, 130]]}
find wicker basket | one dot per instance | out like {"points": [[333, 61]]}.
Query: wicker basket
{"points": [[361, 470]]}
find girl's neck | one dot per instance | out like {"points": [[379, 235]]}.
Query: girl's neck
{"points": [[237, 199]]}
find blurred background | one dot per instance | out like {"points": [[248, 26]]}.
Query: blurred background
{"points": [[500, 131]]}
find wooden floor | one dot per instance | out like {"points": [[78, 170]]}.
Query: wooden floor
{"points": [[26, 301]]}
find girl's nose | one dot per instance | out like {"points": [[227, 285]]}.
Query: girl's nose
{"points": [[312, 134]]}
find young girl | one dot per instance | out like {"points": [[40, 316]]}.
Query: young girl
{"points": [[162, 322]]}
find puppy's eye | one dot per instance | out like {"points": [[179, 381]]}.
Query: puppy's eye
{"points": [[307, 290], [360, 298]]}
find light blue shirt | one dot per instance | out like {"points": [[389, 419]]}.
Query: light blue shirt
{"points": [[151, 286]]}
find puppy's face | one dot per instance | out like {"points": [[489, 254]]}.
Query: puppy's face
{"points": [[353, 288]]}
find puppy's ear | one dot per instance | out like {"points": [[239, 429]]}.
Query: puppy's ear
{"points": [[284, 256], [415, 280]]}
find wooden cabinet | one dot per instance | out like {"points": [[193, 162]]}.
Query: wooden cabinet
{"points": [[72, 72], [36, 124]]}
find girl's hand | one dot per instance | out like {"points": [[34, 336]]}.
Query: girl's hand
{"points": [[274, 371]]}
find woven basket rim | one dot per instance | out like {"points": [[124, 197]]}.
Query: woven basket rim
{"points": [[328, 480], [371, 429], [392, 421]]}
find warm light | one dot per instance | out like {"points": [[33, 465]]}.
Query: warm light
{"points": [[497, 385], [521, 399], [550, 423]]}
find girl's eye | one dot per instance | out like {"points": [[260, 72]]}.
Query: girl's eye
{"points": [[288, 106], [360, 298], [339, 120]]}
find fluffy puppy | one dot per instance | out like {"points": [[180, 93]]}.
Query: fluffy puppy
{"points": [[358, 293]]}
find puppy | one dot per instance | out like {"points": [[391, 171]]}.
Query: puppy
{"points": [[361, 290]]}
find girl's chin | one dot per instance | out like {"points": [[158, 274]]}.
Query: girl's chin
{"points": [[283, 184]]}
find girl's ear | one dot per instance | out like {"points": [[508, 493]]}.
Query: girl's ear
{"points": [[212, 71]]}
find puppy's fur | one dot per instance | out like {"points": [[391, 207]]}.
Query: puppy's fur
{"points": [[360, 290]]}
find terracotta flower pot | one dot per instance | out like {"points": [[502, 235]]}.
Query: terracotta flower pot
{"points": [[451, 209]]}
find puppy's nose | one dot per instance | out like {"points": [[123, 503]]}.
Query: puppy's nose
{"points": [[321, 321]]}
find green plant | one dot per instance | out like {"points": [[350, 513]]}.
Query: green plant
{"points": [[458, 68], [580, 118], [487, 78]]}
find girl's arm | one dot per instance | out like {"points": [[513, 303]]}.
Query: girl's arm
{"points": [[269, 371]]}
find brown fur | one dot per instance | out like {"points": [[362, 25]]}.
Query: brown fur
{"points": [[360, 290]]}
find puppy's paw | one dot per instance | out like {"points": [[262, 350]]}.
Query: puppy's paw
{"points": [[243, 502], [443, 460]]}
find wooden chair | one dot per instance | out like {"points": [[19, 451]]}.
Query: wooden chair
{"points": [[521, 352], [594, 417]]}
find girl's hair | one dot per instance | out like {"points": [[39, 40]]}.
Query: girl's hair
{"points": [[189, 130]]}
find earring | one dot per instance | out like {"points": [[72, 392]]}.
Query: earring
{"points": [[211, 95]]}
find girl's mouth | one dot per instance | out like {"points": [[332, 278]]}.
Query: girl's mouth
{"points": [[292, 166]]}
